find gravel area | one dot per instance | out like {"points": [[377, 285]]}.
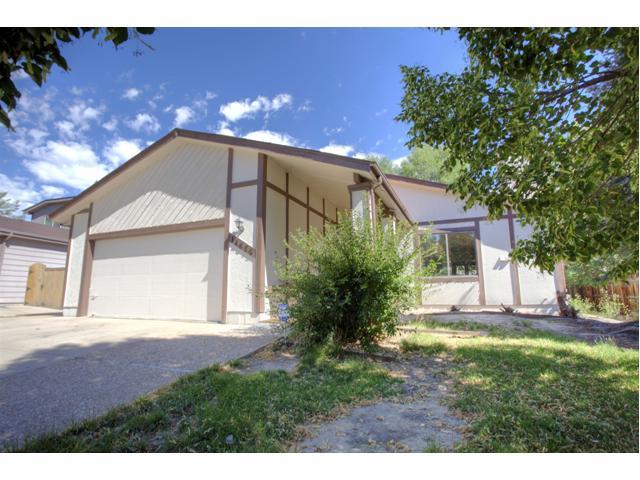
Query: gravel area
{"points": [[55, 371]]}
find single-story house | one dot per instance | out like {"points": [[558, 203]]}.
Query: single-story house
{"points": [[191, 228], [41, 211], [22, 244]]}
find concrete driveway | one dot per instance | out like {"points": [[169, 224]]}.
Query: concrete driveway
{"points": [[56, 370]]}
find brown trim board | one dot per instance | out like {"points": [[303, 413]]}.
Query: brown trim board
{"points": [[295, 199], [286, 210], [172, 228], [246, 183], [260, 234], [87, 264], [227, 221]]}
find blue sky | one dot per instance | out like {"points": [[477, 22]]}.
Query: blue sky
{"points": [[336, 90]]}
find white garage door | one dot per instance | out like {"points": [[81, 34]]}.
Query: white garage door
{"points": [[172, 275]]}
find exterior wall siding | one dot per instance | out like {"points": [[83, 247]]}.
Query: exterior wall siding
{"points": [[184, 182], [19, 254]]}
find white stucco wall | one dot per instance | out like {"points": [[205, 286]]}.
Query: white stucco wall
{"points": [[536, 287], [495, 262], [275, 234], [428, 203], [74, 264], [451, 293], [245, 165], [182, 182], [243, 207]]}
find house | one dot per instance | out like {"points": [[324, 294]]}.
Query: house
{"points": [[40, 212], [22, 244], [191, 228]]}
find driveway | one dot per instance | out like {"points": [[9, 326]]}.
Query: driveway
{"points": [[55, 370]]}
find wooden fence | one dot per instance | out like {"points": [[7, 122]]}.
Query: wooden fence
{"points": [[44, 286], [626, 291]]}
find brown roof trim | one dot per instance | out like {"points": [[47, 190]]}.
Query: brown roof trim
{"points": [[114, 173], [417, 181], [38, 205], [378, 173], [329, 158], [36, 231], [323, 157]]}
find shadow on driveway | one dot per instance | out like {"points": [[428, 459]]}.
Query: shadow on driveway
{"points": [[48, 389]]}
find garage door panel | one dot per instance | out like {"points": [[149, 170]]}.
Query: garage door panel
{"points": [[173, 275]]}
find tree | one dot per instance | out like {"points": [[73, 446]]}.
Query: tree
{"points": [[427, 163], [35, 50], [8, 206], [545, 121]]}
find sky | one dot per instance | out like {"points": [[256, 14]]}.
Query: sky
{"points": [[334, 90]]}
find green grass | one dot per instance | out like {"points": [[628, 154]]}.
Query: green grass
{"points": [[537, 392], [200, 412]]}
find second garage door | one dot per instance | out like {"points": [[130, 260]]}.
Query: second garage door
{"points": [[169, 276]]}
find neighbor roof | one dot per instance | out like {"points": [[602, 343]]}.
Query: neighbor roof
{"points": [[44, 203], [330, 158], [14, 227]]}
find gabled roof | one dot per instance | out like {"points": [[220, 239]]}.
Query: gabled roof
{"points": [[416, 181], [44, 203], [14, 227], [368, 166]]}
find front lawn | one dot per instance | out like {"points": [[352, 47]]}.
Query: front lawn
{"points": [[215, 410], [537, 392]]}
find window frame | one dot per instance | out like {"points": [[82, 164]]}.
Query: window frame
{"points": [[455, 278]]}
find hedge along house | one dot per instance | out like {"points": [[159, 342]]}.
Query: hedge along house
{"points": [[192, 227]]}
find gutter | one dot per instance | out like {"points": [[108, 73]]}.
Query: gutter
{"points": [[381, 180]]}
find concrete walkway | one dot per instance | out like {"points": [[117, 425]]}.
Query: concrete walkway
{"points": [[56, 370]]}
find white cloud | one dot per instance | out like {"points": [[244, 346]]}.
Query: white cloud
{"points": [[184, 115], [71, 164], [110, 125], [66, 129], [119, 150], [19, 75], [81, 114], [51, 191], [144, 122], [305, 107], [247, 108], [379, 113], [344, 150], [271, 137], [21, 190], [399, 161], [332, 131], [131, 93], [210, 95], [225, 129]]}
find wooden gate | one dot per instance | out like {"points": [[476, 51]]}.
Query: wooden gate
{"points": [[44, 286]]}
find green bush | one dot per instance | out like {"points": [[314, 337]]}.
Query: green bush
{"points": [[609, 306], [348, 286]]}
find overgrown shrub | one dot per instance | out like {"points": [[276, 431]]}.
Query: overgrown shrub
{"points": [[349, 285], [609, 306]]}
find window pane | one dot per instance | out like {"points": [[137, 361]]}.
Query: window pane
{"points": [[462, 253], [434, 252]]}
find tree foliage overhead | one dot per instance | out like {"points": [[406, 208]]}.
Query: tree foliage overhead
{"points": [[8, 207], [423, 163], [36, 50], [545, 121]]}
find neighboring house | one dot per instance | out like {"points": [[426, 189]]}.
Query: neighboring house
{"points": [[22, 244], [191, 228], [40, 212]]}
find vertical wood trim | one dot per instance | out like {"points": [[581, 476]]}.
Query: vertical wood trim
{"points": [[307, 209], [260, 233], [87, 264], [324, 216], [482, 296], [515, 277], [66, 262], [286, 221], [227, 224]]}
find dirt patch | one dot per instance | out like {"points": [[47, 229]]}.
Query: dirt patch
{"points": [[624, 334], [417, 420]]}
